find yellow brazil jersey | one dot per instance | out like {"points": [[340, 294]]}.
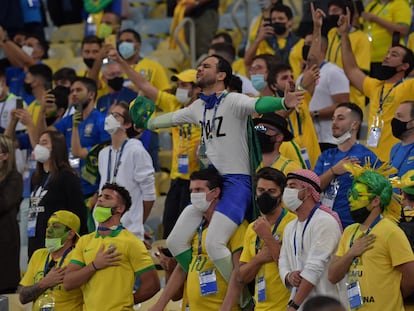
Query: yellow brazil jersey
{"points": [[296, 59], [375, 269], [276, 294], [185, 138], [64, 300], [362, 51], [410, 42], [392, 96], [394, 11], [117, 281], [283, 164], [239, 67], [154, 73], [301, 126], [201, 263], [34, 110]]}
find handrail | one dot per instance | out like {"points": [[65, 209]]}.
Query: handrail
{"points": [[192, 45], [236, 5]]}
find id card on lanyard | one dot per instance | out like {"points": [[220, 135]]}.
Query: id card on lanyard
{"points": [[377, 122]]}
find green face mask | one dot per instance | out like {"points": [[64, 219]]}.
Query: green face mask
{"points": [[55, 244], [102, 214], [104, 30]]}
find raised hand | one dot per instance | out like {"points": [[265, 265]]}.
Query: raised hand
{"points": [[293, 99], [317, 16], [344, 22]]}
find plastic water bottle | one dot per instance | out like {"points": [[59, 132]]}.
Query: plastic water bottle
{"points": [[47, 302]]}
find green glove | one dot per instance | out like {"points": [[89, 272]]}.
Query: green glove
{"points": [[76, 118]]}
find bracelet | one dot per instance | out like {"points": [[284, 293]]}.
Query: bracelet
{"points": [[293, 305], [283, 103], [93, 265]]}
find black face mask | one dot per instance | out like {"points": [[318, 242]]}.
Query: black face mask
{"points": [[265, 141], [116, 83], [267, 203], [28, 88], [305, 51], [398, 127], [89, 62], [387, 72], [279, 28], [360, 215], [330, 22]]}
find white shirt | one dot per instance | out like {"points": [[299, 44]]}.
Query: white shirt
{"points": [[312, 255], [332, 81], [5, 112], [227, 149], [136, 174]]}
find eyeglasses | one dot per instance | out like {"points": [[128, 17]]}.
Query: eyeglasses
{"points": [[263, 129], [117, 115]]}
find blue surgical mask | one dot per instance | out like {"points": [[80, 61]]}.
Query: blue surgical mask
{"points": [[258, 82], [126, 49]]}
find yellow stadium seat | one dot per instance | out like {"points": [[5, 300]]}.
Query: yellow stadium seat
{"points": [[68, 33], [54, 63], [61, 50], [76, 63]]}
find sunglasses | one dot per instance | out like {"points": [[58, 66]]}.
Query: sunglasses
{"points": [[263, 129]]}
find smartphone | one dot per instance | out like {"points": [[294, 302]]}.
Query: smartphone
{"points": [[79, 107], [19, 103], [166, 252]]}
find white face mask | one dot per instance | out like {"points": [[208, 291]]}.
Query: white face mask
{"points": [[199, 201], [291, 200], [182, 95], [41, 153], [343, 138], [111, 124], [28, 50]]}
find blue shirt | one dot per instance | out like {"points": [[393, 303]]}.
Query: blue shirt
{"points": [[91, 133], [328, 159], [402, 158], [106, 101]]}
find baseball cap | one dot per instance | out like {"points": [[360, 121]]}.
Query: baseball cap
{"points": [[277, 121], [188, 75], [66, 218]]}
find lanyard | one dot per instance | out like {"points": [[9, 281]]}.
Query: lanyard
{"points": [[200, 237], [213, 126], [371, 226], [277, 223], [304, 228], [46, 269], [117, 163], [382, 99], [42, 186], [375, 5], [299, 124]]}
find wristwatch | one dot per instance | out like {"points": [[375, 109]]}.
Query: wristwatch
{"points": [[315, 114], [293, 305]]}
